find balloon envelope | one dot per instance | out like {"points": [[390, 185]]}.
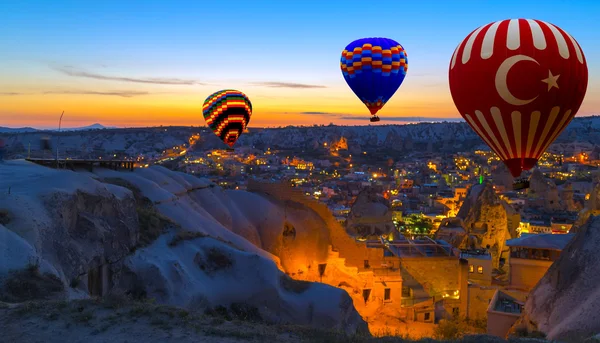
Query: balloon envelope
{"points": [[227, 113], [374, 68], [518, 83]]}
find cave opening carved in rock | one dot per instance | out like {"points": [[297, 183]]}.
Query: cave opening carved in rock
{"points": [[99, 280], [289, 232]]}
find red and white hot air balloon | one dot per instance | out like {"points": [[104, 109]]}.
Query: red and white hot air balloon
{"points": [[518, 83]]}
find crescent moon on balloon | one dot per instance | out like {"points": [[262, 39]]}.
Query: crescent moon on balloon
{"points": [[502, 73]]}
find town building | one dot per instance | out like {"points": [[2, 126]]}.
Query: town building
{"points": [[531, 255]]}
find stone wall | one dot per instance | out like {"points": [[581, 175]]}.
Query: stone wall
{"points": [[485, 278], [479, 300], [525, 274], [436, 274]]}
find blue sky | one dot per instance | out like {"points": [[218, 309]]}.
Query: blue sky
{"points": [[45, 47]]}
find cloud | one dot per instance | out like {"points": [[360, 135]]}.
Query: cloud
{"points": [[407, 119], [159, 81], [124, 94], [325, 114], [286, 85]]}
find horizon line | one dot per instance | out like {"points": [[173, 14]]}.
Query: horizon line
{"points": [[391, 123]]}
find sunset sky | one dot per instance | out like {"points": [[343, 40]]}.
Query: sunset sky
{"points": [[146, 63]]}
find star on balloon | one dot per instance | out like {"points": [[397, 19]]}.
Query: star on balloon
{"points": [[551, 80]]}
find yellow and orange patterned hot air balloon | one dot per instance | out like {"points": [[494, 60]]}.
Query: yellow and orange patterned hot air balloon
{"points": [[227, 113]]}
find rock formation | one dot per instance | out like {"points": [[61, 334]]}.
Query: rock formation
{"points": [[341, 144], [63, 230], [452, 231], [408, 143], [502, 177], [485, 220], [393, 141], [566, 198], [165, 235], [564, 304], [370, 216], [289, 230], [543, 193], [592, 205], [354, 146]]}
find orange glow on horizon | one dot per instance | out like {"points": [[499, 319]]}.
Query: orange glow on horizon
{"points": [[281, 107], [136, 106], [38, 110]]}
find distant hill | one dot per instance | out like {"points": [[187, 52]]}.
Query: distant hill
{"points": [[30, 129], [582, 134], [16, 130], [90, 127]]}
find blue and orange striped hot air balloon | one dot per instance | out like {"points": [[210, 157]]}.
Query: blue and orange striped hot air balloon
{"points": [[374, 68], [227, 113]]}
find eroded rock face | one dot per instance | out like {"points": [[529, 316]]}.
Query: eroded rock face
{"points": [[452, 231], [543, 193], [592, 206], [370, 215], [485, 221], [393, 141], [564, 304], [88, 230], [287, 229], [63, 224], [502, 176], [203, 272], [567, 200], [84, 234], [341, 144]]}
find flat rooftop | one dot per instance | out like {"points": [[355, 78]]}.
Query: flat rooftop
{"points": [[476, 253], [504, 302], [541, 241], [507, 305], [420, 247]]}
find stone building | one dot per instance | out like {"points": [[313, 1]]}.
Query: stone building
{"points": [[530, 257]]}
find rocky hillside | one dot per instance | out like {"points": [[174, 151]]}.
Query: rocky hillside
{"points": [[154, 233], [564, 304], [582, 133], [91, 143]]}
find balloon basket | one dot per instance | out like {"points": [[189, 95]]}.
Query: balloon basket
{"points": [[520, 184], [374, 119]]}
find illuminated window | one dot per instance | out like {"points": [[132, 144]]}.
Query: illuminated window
{"points": [[480, 269], [471, 268], [387, 294]]}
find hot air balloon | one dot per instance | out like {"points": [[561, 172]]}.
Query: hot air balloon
{"points": [[374, 68], [518, 83], [227, 113]]}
